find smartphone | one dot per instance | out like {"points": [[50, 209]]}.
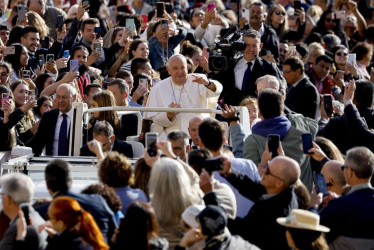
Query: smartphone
{"points": [[31, 94], [41, 60], [144, 19], [86, 2], [327, 99], [9, 50], [169, 8], [21, 10], [245, 14], [206, 53], [164, 23], [44, 42], [297, 5], [307, 142], [143, 82], [352, 59], [4, 98], [340, 14], [26, 73], [292, 49], [213, 164], [50, 58], [210, 6], [319, 181], [273, 144], [74, 63], [130, 24], [26, 214], [60, 22], [97, 47], [160, 7], [151, 139], [98, 32], [66, 53]]}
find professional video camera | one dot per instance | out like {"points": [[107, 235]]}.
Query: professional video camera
{"points": [[227, 50]]}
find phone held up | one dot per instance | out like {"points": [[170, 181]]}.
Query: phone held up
{"points": [[151, 139], [273, 144]]}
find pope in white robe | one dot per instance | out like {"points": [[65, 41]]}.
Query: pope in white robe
{"points": [[180, 90]]}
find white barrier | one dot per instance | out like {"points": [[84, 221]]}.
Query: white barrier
{"points": [[80, 119]]}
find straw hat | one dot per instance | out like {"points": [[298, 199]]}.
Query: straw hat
{"points": [[302, 219]]}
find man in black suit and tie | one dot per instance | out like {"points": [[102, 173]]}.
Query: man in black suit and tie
{"points": [[245, 71], [129, 122], [54, 125], [351, 217], [302, 96], [103, 134]]}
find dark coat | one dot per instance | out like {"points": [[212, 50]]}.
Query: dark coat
{"points": [[119, 146], [303, 99], [259, 227], [5, 136], [233, 95]]}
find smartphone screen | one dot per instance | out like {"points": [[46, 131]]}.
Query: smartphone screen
{"points": [[320, 183], [143, 82], [25, 210], [164, 23], [50, 57], [213, 164], [327, 99], [160, 6], [151, 139], [130, 24], [297, 4], [307, 142], [74, 65], [4, 99], [97, 47], [26, 73], [273, 144], [352, 59], [31, 94], [10, 50], [60, 22]]}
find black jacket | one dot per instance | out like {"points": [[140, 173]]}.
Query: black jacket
{"points": [[303, 99], [259, 226], [231, 94], [14, 118]]}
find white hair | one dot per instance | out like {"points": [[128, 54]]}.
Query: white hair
{"points": [[70, 88], [271, 80], [18, 186], [183, 58]]}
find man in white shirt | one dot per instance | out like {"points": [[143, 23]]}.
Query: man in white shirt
{"points": [[180, 90], [53, 131]]}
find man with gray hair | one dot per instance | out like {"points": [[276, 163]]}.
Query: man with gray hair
{"points": [[331, 41], [180, 90], [54, 126], [180, 144], [350, 217], [18, 189]]}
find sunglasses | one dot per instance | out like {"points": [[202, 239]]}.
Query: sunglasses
{"points": [[278, 12], [340, 54], [267, 172], [329, 20]]}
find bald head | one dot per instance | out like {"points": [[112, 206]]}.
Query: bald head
{"points": [[288, 169], [193, 129], [334, 176], [177, 58]]}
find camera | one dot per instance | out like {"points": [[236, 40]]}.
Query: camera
{"points": [[227, 50]]}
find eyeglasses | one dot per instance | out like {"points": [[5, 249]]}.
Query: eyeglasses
{"points": [[329, 184], [342, 167], [329, 20], [278, 12], [267, 172], [341, 53], [286, 72]]}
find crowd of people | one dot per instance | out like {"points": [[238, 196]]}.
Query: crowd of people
{"points": [[299, 178]]}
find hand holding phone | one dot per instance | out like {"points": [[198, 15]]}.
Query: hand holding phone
{"points": [[26, 214], [50, 58], [160, 7], [143, 82], [9, 50], [74, 65], [327, 101], [210, 6], [213, 164], [4, 99], [151, 139], [319, 181]]}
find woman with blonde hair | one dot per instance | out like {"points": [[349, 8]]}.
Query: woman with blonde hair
{"points": [[76, 227], [104, 98], [171, 192], [277, 18], [37, 21]]}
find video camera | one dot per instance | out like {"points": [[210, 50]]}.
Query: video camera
{"points": [[227, 50]]}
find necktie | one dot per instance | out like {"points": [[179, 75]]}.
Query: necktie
{"points": [[63, 137], [246, 76]]}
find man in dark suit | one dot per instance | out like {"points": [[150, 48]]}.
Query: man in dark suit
{"points": [[245, 71], [273, 197], [351, 217], [103, 133], [54, 125], [302, 96], [59, 179], [129, 122]]}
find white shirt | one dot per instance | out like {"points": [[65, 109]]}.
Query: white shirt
{"points": [[239, 70], [57, 130]]}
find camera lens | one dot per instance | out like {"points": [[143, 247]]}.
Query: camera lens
{"points": [[219, 63]]}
